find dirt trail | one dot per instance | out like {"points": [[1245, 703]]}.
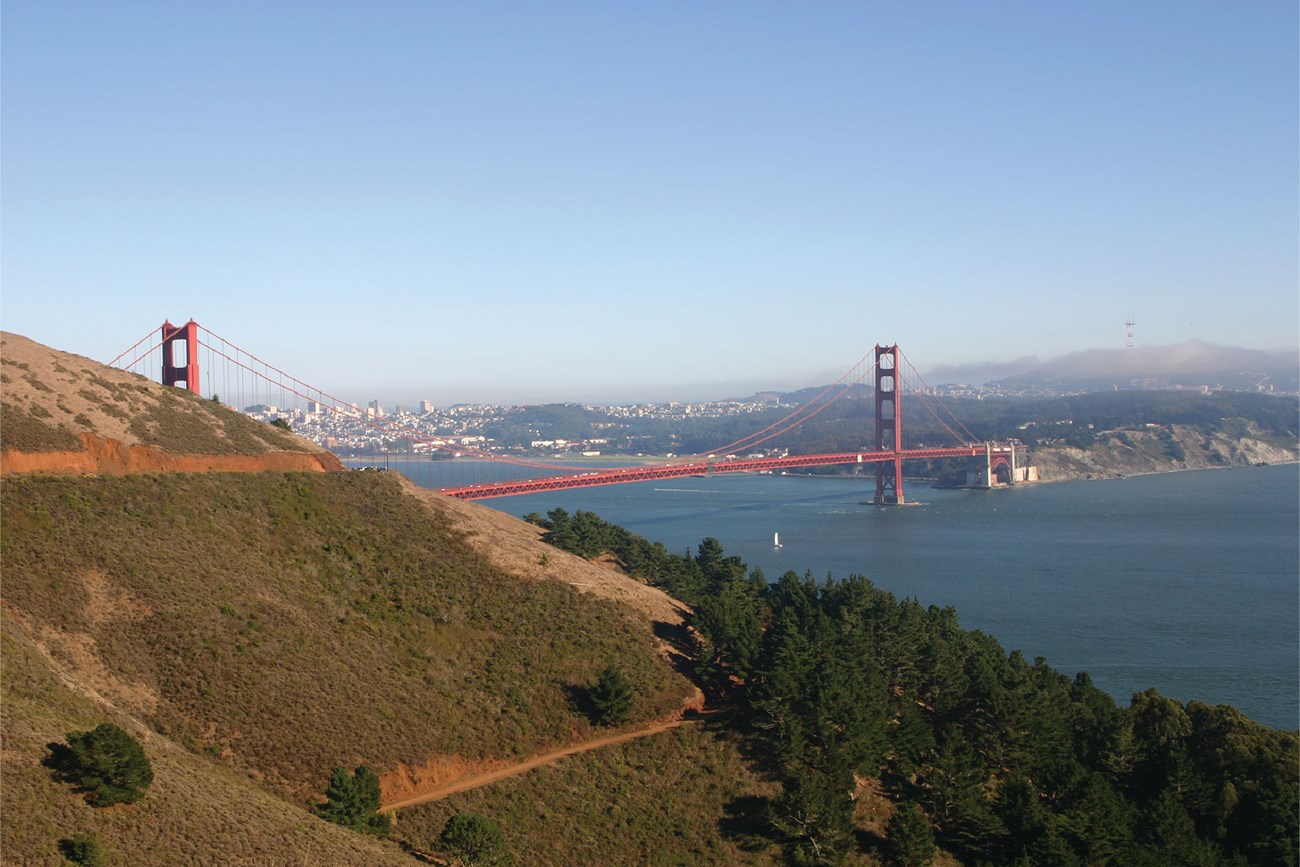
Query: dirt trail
{"points": [[526, 765]]}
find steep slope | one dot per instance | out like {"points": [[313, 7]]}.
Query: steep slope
{"points": [[196, 811], [256, 629], [62, 413]]}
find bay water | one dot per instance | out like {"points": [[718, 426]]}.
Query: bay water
{"points": [[1187, 582]]}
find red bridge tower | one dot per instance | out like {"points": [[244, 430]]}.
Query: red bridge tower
{"points": [[186, 368], [889, 428]]}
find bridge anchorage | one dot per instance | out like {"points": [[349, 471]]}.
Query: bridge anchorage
{"points": [[246, 381]]}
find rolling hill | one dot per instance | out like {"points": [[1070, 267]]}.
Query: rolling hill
{"points": [[257, 616]]}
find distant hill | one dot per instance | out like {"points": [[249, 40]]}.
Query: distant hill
{"points": [[1095, 434], [1191, 364]]}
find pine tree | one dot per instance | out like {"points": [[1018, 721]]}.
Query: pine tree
{"points": [[730, 618], [611, 697], [475, 840], [815, 815], [1099, 820], [352, 800], [108, 763], [1022, 812], [910, 837], [1167, 830]]}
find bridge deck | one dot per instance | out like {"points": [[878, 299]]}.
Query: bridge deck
{"points": [[649, 473]]}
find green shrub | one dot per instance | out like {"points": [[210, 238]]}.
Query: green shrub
{"points": [[352, 801], [106, 762], [475, 840], [611, 697], [82, 849], [911, 839]]}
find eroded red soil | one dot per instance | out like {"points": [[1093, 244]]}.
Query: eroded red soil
{"points": [[111, 457]]}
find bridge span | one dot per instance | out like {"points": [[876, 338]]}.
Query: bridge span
{"points": [[179, 365], [999, 455]]}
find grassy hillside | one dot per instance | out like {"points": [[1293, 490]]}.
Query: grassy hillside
{"points": [[681, 797], [196, 811], [289, 622], [254, 630], [52, 400], [278, 625]]}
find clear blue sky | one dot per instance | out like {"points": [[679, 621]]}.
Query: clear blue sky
{"points": [[647, 200]]}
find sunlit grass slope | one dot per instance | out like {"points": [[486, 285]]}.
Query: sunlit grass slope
{"points": [[51, 398], [278, 625], [195, 812], [685, 796]]}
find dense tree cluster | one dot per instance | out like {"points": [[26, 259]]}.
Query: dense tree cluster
{"points": [[588, 535], [997, 759]]}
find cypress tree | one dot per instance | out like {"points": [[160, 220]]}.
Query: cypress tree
{"points": [[611, 697], [108, 763], [475, 840], [910, 837], [352, 800]]}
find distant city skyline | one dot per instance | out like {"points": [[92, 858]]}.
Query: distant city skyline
{"points": [[522, 202]]}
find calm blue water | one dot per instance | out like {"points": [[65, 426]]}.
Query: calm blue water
{"points": [[1188, 582]]}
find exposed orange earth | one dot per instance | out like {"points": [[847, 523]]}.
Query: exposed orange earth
{"points": [[111, 457]]}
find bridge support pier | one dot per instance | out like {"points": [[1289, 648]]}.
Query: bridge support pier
{"points": [[998, 467]]}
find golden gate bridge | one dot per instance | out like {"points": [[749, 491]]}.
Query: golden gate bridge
{"points": [[192, 357]]}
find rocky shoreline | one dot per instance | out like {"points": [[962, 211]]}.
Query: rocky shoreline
{"points": [[1162, 449]]}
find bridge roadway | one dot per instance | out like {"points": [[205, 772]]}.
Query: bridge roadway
{"points": [[737, 465]]}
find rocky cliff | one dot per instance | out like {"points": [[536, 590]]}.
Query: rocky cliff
{"points": [[1163, 449]]}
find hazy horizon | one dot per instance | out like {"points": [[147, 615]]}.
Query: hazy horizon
{"points": [[1150, 361]]}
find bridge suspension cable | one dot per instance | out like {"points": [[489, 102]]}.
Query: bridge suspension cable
{"points": [[252, 379], [337, 405], [927, 392], [844, 383], [133, 347], [249, 383]]}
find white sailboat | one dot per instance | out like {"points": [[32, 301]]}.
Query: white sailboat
{"points": [[776, 540]]}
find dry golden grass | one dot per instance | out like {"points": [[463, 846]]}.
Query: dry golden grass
{"points": [[52, 397], [291, 622], [197, 811], [256, 630], [681, 797], [273, 626]]}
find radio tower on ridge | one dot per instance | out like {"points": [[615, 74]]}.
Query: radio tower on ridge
{"points": [[1128, 324]]}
